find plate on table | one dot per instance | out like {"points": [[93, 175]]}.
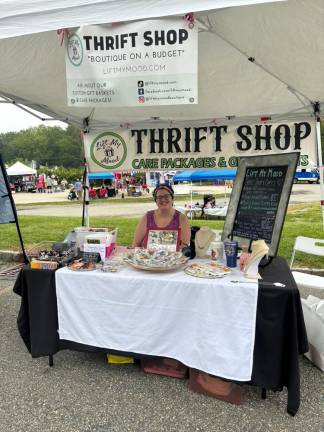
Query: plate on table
{"points": [[208, 271], [158, 260], [82, 266]]}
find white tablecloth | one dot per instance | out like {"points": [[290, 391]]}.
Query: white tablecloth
{"points": [[208, 324], [187, 210], [216, 211]]}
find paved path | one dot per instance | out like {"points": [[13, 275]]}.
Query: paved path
{"points": [[81, 393]]}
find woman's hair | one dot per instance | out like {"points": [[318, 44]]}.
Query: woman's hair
{"points": [[163, 186]]}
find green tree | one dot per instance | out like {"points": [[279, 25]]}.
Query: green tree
{"points": [[48, 146]]}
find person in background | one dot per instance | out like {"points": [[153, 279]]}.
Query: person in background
{"points": [[40, 185], [55, 184], [49, 184], [165, 216], [92, 192], [63, 184], [102, 192], [78, 189]]}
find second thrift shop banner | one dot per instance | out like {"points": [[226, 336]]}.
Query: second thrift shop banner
{"points": [[207, 146]]}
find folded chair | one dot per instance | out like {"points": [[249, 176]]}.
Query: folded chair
{"points": [[310, 246]]}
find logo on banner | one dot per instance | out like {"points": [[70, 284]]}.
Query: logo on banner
{"points": [[75, 50], [108, 150]]}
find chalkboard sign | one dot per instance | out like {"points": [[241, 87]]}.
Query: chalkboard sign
{"points": [[259, 199]]}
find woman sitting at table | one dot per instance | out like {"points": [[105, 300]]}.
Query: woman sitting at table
{"points": [[164, 217]]}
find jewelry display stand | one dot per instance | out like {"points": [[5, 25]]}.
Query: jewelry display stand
{"points": [[259, 249], [203, 239]]}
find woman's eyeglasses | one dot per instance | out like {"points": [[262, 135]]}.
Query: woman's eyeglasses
{"points": [[165, 197]]}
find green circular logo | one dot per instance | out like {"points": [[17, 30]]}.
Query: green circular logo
{"points": [[108, 150], [74, 49]]}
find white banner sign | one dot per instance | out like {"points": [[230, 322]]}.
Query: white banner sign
{"points": [[203, 147], [136, 64]]}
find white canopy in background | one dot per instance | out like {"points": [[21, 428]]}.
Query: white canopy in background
{"points": [[18, 169], [260, 59]]}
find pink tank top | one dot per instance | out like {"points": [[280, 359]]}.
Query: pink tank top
{"points": [[150, 224]]}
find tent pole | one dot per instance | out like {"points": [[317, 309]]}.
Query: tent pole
{"points": [[320, 156], [191, 199], [85, 206]]}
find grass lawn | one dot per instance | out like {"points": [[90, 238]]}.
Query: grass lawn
{"points": [[301, 219]]}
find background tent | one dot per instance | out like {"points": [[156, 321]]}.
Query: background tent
{"points": [[225, 174], [19, 169], [207, 175], [101, 176]]}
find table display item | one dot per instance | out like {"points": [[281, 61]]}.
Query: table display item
{"points": [[193, 232], [163, 239], [203, 239], [228, 391], [111, 265], [59, 252], [230, 247], [258, 250], [216, 250], [78, 265], [79, 234], [155, 259], [209, 271], [244, 257], [44, 265]]}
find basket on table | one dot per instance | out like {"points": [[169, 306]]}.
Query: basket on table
{"points": [[34, 251], [58, 252]]}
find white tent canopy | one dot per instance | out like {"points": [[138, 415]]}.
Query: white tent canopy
{"points": [[19, 169], [255, 59]]}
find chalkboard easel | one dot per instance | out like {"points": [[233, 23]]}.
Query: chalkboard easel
{"points": [[259, 199]]}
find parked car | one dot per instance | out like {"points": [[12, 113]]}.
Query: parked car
{"points": [[307, 175]]}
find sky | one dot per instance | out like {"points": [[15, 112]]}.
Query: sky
{"points": [[13, 119]]}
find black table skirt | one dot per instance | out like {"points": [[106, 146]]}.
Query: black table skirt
{"points": [[280, 330]]}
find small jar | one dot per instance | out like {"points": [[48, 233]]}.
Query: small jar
{"points": [[245, 255]]}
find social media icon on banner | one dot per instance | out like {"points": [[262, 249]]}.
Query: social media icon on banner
{"points": [[140, 91], [140, 83], [141, 99]]}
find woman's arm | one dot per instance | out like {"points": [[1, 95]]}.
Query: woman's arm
{"points": [[185, 229], [140, 232]]}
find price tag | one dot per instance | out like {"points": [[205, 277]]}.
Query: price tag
{"points": [[91, 257]]}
